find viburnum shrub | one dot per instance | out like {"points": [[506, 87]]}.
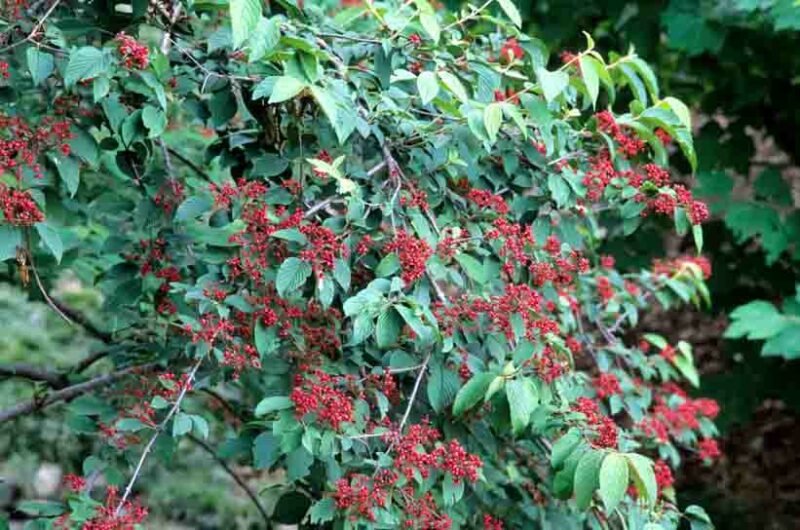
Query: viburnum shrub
{"points": [[372, 235]]}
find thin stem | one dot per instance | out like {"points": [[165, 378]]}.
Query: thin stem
{"points": [[413, 396], [239, 480], [153, 438], [475, 12]]}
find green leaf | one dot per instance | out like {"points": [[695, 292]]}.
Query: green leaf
{"points": [[681, 111], [587, 477], [472, 392], [472, 267], [511, 11], [129, 425], [264, 38], [428, 20], [613, 480], [428, 86], [684, 362], [785, 344], [40, 64], [322, 511], [10, 239], [291, 276], [265, 450], [41, 508], [756, 320], [388, 328], [442, 387], [423, 331], [69, 171], [454, 85], [552, 83], [493, 119], [181, 424], [298, 464], [563, 447], [452, 490], [155, 120], [641, 471], [245, 15], [51, 240], [285, 88], [85, 63], [271, 404], [523, 397], [698, 518], [590, 71]]}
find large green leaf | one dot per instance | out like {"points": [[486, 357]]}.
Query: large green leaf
{"points": [[613, 480], [245, 15]]}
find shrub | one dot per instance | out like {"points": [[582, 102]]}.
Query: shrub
{"points": [[372, 233]]}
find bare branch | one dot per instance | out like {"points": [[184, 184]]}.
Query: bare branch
{"points": [[413, 396], [153, 438], [191, 165], [34, 373], [79, 318], [239, 480], [69, 393]]}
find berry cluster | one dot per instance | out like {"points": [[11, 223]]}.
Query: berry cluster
{"points": [[317, 393], [413, 253], [18, 207], [21, 144], [131, 515], [606, 430], [134, 55], [487, 199], [511, 51]]}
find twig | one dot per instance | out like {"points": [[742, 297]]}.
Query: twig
{"points": [[153, 438], [191, 165], [319, 206], [46, 296], [35, 29], [166, 37], [348, 37], [239, 480], [90, 360], [69, 392], [82, 320], [420, 375]]}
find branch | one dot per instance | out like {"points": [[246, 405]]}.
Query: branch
{"points": [[35, 29], [423, 367], [69, 393], [191, 165], [153, 438], [239, 480], [28, 371], [79, 318]]}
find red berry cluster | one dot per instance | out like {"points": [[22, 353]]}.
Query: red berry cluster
{"points": [[326, 157], [4, 70], [490, 523], [134, 55], [487, 199], [627, 146], [131, 515], [414, 197], [317, 393], [606, 385], [21, 143], [605, 429], [413, 253], [664, 478], [510, 51], [18, 207], [325, 247], [708, 449]]}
